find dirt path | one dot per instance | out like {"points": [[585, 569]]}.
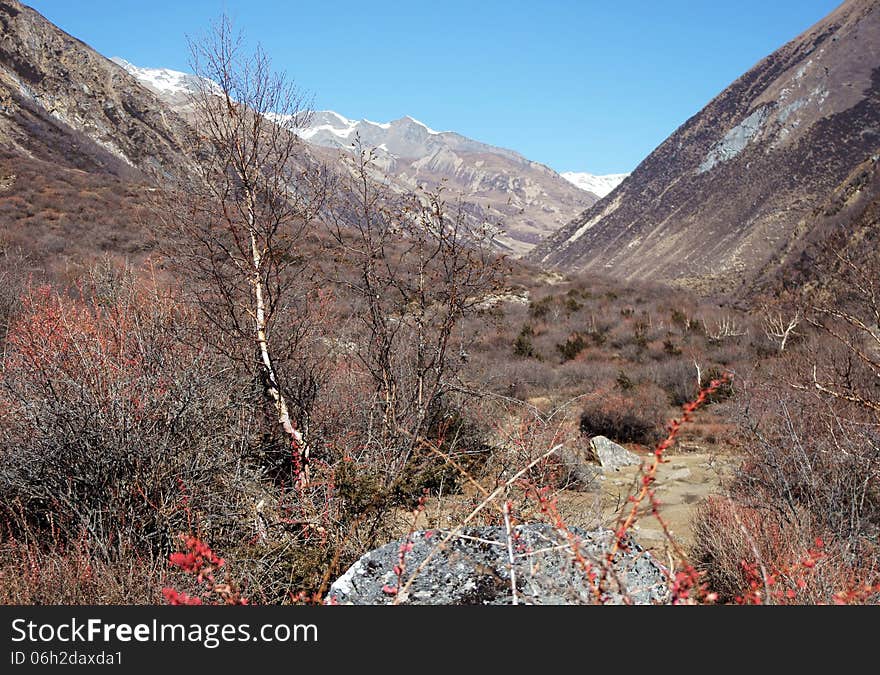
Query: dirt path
{"points": [[681, 484]]}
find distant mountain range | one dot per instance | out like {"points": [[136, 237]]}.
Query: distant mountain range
{"points": [[739, 189], [598, 185], [62, 102], [526, 199], [408, 137]]}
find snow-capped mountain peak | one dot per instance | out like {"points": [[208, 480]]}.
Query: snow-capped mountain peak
{"points": [[413, 120], [326, 123], [598, 185], [163, 81], [405, 137]]}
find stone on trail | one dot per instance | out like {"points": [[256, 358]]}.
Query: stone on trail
{"points": [[611, 455]]}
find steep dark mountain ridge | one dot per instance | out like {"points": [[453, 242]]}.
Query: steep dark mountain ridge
{"points": [[724, 201]]}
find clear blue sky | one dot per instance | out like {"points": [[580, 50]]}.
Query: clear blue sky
{"points": [[576, 84]]}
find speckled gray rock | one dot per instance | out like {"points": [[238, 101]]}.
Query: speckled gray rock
{"points": [[611, 455], [473, 570]]}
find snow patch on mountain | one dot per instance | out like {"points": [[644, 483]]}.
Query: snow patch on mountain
{"points": [[422, 124], [598, 185]]}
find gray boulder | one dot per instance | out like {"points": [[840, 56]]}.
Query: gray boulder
{"points": [[473, 570], [611, 455]]}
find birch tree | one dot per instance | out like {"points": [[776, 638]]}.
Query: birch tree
{"points": [[238, 222], [780, 328]]}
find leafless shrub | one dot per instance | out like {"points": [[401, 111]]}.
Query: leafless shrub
{"points": [[74, 573], [111, 426], [638, 416], [417, 270], [723, 327], [676, 377], [780, 328], [13, 281]]}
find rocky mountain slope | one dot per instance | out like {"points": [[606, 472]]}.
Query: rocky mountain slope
{"points": [[527, 199], [728, 197], [842, 230], [61, 101], [80, 142]]}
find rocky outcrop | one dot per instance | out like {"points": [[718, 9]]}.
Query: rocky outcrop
{"points": [[61, 101], [580, 467], [586, 464], [612, 456], [728, 195], [473, 569]]}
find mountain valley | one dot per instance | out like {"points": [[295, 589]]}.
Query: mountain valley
{"points": [[244, 346]]}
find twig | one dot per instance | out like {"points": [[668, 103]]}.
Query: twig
{"points": [[510, 557], [650, 475]]}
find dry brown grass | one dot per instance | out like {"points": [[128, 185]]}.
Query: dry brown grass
{"points": [[74, 574]]}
